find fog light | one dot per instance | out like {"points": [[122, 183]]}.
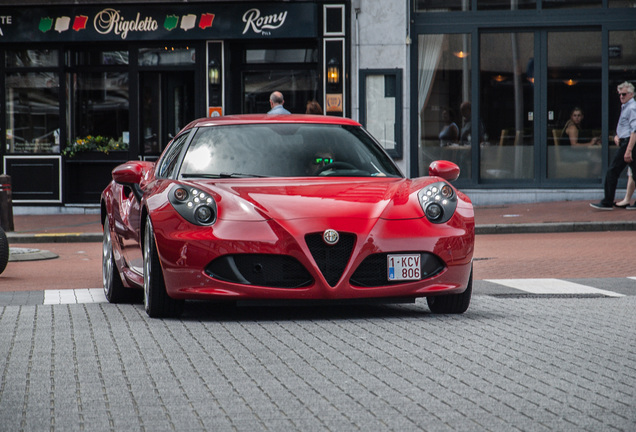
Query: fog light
{"points": [[434, 211], [204, 214]]}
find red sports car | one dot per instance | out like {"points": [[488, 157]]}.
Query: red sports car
{"points": [[294, 207]]}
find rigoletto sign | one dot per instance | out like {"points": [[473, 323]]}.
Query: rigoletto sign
{"points": [[124, 22]]}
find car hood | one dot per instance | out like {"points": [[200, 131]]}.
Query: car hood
{"points": [[287, 199]]}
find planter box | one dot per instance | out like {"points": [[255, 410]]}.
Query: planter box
{"points": [[88, 173], [94, 156]]}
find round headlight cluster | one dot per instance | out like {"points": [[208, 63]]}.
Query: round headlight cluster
{"points": [[194, 205], [438, 200]]}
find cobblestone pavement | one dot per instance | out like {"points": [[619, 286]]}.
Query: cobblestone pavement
{"points": [[529, 364]]}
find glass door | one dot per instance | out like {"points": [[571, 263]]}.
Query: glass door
{"points": [[167, 105], [507, 106], [259, 69], [574, 108]]}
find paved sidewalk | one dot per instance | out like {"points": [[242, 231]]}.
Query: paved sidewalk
{"points": [[544, 217]]}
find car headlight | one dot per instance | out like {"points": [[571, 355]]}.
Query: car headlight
{"points": [[439, 201], [195, 206]]}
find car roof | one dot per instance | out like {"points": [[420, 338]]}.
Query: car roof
{"points": [[271, 118]]}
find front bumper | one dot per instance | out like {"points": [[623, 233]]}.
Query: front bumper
{"points": [[197, 262]]}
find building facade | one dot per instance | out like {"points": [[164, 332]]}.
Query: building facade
{"points": [[488, 84], [88, 85], [495, 82]]}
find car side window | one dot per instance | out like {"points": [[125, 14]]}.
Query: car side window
{"points": [[168, 164]]}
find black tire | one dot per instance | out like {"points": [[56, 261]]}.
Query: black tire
{"points": [[157, 302], [452, 303], [4, 250], [114, 288]]}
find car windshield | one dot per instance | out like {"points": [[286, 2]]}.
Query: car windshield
{"points": [[285, 150]]}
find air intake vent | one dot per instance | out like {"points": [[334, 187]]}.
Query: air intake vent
{"points": [[331, 259], [373, 271], [274, 271]]}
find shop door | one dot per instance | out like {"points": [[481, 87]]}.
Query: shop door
{"points": [[167, 105], [257, 70], [507, 106], [574, 106]]}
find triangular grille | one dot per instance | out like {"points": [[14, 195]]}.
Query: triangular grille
{"points": [[331, 259]]}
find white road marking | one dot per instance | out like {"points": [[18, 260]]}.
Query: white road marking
{"points": [[552, 286], [533, 286], [71, 296]]}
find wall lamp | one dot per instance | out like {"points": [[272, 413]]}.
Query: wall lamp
{"points": [[214, 72], [333, 71]]}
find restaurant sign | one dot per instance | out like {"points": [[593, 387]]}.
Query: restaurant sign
{"points": [[139, 22]]}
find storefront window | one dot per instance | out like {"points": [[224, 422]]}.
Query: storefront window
{"points": [[32, 58], [101, 105], [507, 105], [506, 4], [444, 100], [32, 112], [167, 56], [300, 55], [441, 5], [569, 4], [101, 58], [574, 105], [622, 4], [381, 111]]}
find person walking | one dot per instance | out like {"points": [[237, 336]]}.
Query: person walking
{"points": [[276, 102], [626, 140]]}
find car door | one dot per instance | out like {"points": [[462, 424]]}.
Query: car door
{"points": [[127, 228]]}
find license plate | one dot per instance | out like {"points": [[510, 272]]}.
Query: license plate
{"points": [[404, 267]]}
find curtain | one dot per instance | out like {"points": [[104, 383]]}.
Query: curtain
{"points": [[429, 53]]}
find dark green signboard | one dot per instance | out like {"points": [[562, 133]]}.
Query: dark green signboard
{"points": [[167, 22]]}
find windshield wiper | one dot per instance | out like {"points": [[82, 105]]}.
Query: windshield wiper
{"points": [[223, 175]]}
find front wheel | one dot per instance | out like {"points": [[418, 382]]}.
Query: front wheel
{"points": [[4, 250], [452, 303], [157, 302], [114, 288]]}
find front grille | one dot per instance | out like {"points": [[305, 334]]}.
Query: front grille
{"points": [[331, 259], [274, 271], [373, 270]]}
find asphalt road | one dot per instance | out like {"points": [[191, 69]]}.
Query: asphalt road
{"points": [[514, 361]]}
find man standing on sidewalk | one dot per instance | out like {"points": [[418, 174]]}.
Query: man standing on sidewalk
{"points": [[626, 140]]}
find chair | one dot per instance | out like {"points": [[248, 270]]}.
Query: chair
{"points": [[508, 138], [493, 157], [564, 168]]}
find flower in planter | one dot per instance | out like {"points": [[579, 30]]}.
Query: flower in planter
{"points": [[92, 143]]}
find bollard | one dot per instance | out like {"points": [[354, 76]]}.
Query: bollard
{"points": [[6, 203]]}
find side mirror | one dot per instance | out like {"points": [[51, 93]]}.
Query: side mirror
{"points": [[131, 174], [444, 169]]}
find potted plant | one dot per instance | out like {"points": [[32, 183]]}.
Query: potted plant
{"points": [[90, 143]]}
